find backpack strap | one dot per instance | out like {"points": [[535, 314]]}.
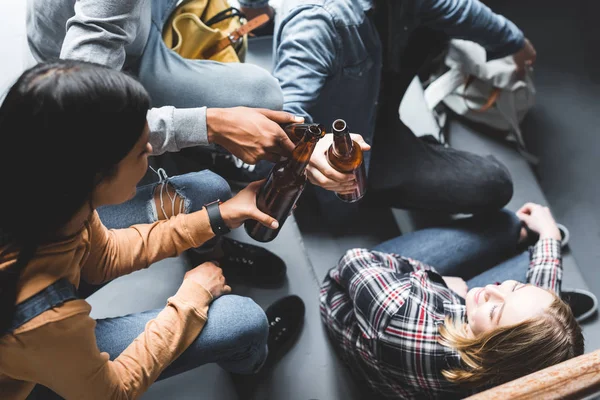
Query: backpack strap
{"points": [[53, 296]]}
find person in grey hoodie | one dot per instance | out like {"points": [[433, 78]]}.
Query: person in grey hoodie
{"points": [[195, 102]]}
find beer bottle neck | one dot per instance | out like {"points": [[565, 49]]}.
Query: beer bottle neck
{"points": [[301, 155], [342, 144]]}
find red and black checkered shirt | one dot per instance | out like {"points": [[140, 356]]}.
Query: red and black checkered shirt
{"points": [[383, 311]]}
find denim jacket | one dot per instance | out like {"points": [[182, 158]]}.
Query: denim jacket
{"points": [[327, 53]]}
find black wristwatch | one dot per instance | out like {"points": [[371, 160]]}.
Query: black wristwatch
{"points": [[217, 223]]}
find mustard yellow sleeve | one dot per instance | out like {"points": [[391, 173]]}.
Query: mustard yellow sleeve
{"points": [[117, 252], [70, 363]]}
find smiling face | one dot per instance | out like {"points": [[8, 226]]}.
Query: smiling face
{"points": [[506, 304]]}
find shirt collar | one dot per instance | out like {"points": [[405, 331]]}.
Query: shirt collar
{"points": [[457, 312]]}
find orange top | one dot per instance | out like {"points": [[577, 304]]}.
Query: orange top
{"points": [[58, 347]]}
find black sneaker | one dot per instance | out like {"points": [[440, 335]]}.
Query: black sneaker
{"points": [[247, 263], [583, 303], [286, 317]]}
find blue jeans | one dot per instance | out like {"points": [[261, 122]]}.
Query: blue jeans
{"points": [[197, 188], [482, 249], [234, 337]]}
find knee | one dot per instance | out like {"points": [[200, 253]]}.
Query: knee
{"points": [[499, 184], [214, 184], [250, 327], [200, 188], [259, 88]]}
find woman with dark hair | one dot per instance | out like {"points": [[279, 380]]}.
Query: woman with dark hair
{"points": [[408, 332], [86, 125]]}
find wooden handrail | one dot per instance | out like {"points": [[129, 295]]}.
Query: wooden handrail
{"points": [[572, 379]]}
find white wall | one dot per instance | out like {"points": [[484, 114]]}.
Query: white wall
{"points": [[14, 54]]}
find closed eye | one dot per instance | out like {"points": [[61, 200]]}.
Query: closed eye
{"points": [[492, 311]]}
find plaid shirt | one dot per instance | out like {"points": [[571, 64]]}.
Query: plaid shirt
{"points": [[382, 312]]}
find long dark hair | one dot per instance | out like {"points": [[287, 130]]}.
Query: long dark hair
{"points": [[64, 126]]}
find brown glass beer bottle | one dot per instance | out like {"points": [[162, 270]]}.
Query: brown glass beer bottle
{"points": [[296, 131], [284, 185], [346, 156]]}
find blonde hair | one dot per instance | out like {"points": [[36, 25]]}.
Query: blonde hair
{"points": [[510, 352]]}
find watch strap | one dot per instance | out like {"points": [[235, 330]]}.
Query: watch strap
{"points": [[218, 225]]}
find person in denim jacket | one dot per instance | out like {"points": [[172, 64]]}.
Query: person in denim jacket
{"points": [[354, 59]]}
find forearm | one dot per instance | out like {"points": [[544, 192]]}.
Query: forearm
{"points": [[164, 339], [474, 21], [100, 30], [118, 252], [72, 365], [545, 267]]}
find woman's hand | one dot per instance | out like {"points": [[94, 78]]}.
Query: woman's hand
{"points": [[457, 285], [243, 206], [210, 277], [320, 173], [540, 220]]}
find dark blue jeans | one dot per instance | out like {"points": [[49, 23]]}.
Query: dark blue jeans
{"points": [[482, 249]]}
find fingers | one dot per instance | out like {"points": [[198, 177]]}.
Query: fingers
{"points": [[255, 186], [359, 139], [317, 178], [210, 264], [320, 163], [226, 289], [280, 144], [265, 219], [527, 208], [285, 143], [281, 117]]}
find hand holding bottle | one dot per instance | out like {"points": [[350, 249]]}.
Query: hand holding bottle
{"points": [[321, 173], [243, 207]]}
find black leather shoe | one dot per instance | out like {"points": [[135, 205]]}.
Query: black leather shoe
{"points": [[242, 262], [286, 317]]}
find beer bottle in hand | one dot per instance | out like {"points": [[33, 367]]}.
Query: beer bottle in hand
{"points": [[296, 131], [284, 185], [346, 156]]}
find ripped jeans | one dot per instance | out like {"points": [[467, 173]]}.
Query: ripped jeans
{"points": [[196, 188]]}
